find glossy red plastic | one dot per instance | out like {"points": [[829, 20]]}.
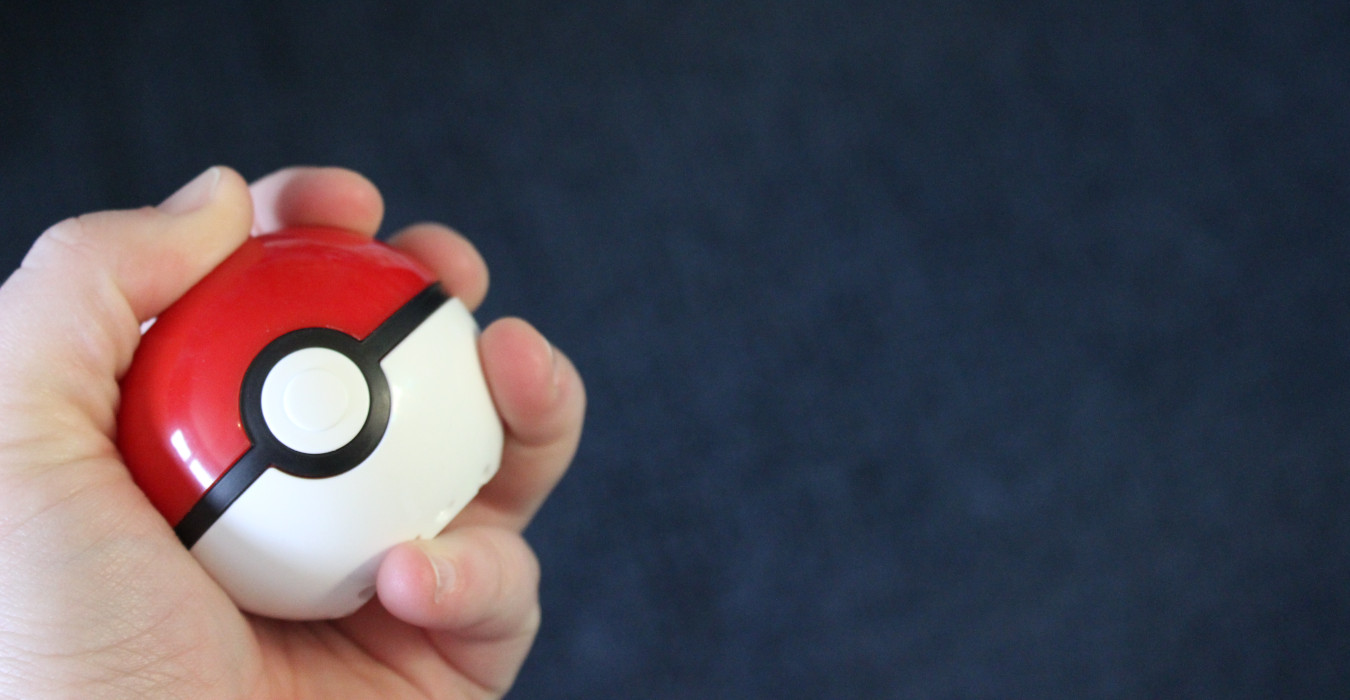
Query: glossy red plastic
{"points": [[179, 426]]}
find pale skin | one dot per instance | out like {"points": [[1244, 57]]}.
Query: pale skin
{"points": [[97, 596]]}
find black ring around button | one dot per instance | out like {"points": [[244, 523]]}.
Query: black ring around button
{"points": [[267, 451], [296, 463]]}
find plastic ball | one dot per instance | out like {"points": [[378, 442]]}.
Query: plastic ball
{"points": [[312, 402]]}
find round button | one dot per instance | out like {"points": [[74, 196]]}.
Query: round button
{"points": [[315, 400]]}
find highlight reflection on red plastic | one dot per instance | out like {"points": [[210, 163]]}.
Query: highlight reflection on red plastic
{"points": [[179, 427]]}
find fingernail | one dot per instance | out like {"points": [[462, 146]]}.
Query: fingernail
{"points": [[445, 576], [194, 195], [556, 364]]}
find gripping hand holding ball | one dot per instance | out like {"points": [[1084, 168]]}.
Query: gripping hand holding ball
{"points": [[314, 401]]}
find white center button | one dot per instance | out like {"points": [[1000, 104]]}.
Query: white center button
{"points": [[315, 400]]}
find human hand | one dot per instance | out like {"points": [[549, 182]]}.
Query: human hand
{"points": [[97, 596]]}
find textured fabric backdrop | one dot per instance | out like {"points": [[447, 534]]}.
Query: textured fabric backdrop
{"points": [[953, 351]]}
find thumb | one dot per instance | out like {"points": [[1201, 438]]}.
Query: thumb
{"points": [[70, 315]]}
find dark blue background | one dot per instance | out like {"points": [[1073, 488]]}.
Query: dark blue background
{"points": [[959, 351]]}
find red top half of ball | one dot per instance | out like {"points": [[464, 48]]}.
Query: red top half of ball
{"points": [[179, 424]]}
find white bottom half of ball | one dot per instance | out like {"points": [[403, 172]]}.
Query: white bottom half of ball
{"points": [[308, 549]]}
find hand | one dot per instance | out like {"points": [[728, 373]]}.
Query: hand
{"points": [[97, 596]]}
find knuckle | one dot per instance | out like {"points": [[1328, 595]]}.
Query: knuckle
{"points": [[72, 242], [62, 239]]}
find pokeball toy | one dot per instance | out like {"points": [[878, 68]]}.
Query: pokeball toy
{"points": [[312, 402]]}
